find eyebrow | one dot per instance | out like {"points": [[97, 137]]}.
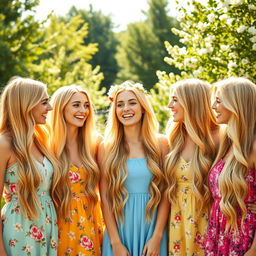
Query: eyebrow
{"points": [[44, 99], [78, 101], [128, 100]]}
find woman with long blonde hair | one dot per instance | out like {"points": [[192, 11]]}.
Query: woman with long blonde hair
{"points": [[193, 138], [29, 173], [74, 143], [131, 161], [232, 180]]}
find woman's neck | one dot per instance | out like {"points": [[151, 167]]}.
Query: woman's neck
{"points": [[132, 133], [134, 141], [72, 134]]}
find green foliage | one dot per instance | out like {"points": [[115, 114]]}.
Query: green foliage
{"points": [[18, 31], [2, 203], [161, 25], [142, 49], [100, 32], [160, 100], [219, 41], [137, 54], [63, 59]]}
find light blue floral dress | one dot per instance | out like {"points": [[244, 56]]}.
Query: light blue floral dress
{"points": [[21, 236]]}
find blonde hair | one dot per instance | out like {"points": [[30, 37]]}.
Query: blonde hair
{"points": [[87, 140], [239, 97], [18, 99], [118, 151], [199, 124]]}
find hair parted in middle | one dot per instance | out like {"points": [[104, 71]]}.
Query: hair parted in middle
{"points": [[199, 124], [117, 152], [87, 139], [18, 99], [238, 95]]}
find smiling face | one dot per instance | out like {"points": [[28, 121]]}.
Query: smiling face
{"points": [[39, 112], [176, 108], [77, 110], [222, 113], [128, 109]]}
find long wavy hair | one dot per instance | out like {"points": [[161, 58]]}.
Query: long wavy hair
{"points": [[18, 99], [238, 95], [117, 153], [199, 124], [87, 141]]}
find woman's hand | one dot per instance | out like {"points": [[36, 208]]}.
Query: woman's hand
{"points": [[120, 250], [7, 196], [152, 247], [3, 252], [252, 207], [250, 252]]}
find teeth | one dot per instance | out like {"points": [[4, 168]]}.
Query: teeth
{"points": [[79, 117], [44, 115], [126, 116]]}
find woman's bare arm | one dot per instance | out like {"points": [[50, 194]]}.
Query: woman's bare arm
{"points": [[117, 246]]}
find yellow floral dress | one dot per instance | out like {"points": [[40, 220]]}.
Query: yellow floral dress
{"points": [[81, 234], [187, 229]]}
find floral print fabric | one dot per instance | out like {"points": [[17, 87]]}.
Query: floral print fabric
{"points": [[81, 234], [230, 244], [187, 228], [21, 236]]}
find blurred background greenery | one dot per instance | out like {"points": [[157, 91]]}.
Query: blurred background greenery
{"points": [[209, 40]]}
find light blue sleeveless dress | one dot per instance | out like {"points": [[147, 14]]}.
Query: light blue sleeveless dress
{"points": [[21, 236], [135, 231]]}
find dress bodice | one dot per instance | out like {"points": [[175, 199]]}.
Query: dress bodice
{"points": [[77, 178], [214, 182], [45, 169], [182, 171], [139, 176]]}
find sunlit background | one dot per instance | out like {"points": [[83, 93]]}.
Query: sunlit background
{"points": [[99, 43], [122, 12]]}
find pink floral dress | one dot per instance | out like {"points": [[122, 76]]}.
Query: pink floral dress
{"points": [[217, 242]]}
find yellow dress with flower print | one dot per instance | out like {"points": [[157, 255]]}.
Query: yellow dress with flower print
{"points": [[187, 229], [82, 233]]}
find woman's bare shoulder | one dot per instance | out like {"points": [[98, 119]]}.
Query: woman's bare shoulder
{"points": [[253, 153], [163, 144], [6, 151], [5, 142]]}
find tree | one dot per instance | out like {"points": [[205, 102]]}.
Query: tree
{"points": [[64, 59], [142, 49], [18, 32], [219, 40], [161, 24], [138, 54], [100, 32]]}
